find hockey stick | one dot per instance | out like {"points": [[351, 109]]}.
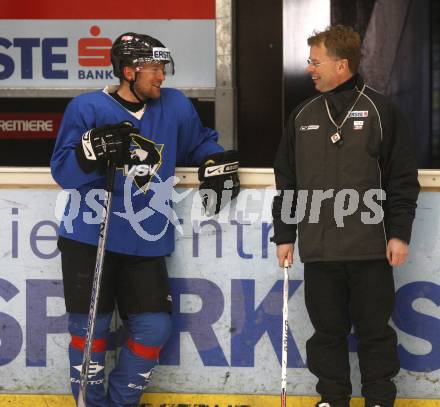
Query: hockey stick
{"points": [[285, 333], [100, 252]]}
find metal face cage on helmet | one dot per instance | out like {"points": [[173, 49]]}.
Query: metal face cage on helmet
{"points": [[131, 49]]}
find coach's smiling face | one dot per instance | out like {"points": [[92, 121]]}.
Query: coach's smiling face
{"points": [[326, 71]]}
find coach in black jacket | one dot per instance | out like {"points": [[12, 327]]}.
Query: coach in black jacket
{"points": [[347, 176]]}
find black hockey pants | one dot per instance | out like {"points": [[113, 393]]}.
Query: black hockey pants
{"points": [[340, 295]]}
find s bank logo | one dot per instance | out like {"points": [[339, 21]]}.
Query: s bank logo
{"points": [[53, 54], [95, 52]]}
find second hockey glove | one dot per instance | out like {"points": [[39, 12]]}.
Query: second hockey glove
{"points": [[219, 182], [106, 143]]}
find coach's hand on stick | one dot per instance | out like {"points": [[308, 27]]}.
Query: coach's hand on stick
{"points": [[285, 252]]}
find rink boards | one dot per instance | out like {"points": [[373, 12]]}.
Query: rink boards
{"points": [[227, 306]]}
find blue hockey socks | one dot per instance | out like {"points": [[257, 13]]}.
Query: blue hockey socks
{"points": [[148, 332], [95, 394]]}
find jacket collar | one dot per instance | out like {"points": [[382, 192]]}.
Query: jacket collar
{"points": [[355, 81], [343, 96]]}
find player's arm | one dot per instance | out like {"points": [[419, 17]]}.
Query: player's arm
{"points": [[195, 142], [68, 168], [197, 145]]}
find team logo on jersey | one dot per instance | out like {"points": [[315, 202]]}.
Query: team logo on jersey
{"points": [[359, 113], [146, 159], [309, 127]]}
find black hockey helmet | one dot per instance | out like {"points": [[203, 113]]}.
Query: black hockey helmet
{"points": [[131, 49]]}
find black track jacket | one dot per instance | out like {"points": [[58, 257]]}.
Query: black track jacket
{"points": [[374, 154]]}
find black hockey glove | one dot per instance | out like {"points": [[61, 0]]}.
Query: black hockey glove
{"points": [[219, 182], [110, 142]]}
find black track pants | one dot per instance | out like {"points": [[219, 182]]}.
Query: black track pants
{"points": [[339, 296]]}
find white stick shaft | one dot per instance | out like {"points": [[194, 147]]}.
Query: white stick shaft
{"points": [[285, 332], [94, 300]]}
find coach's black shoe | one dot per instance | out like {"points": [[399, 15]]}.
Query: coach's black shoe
{"points": [[369, 403], [333, 404]]}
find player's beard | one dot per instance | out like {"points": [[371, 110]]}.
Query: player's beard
{"points": [[152, 92]]}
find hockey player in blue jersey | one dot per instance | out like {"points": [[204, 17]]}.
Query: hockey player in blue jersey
{"points": [[148, 130]]}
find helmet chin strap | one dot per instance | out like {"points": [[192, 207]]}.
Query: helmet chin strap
{"points": [[131, 85]]}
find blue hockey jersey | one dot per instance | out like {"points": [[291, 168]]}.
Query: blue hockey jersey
{"points": [[173, 125]]}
